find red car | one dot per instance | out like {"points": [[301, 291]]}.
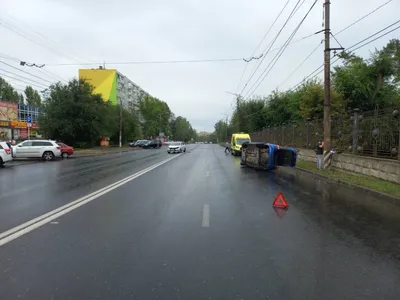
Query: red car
{"points": [[66, 150]]}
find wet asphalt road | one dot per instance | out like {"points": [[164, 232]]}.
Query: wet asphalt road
{"points": [[197, 227]]}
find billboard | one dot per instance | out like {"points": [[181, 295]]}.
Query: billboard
{"points": [[8, 111], [104, 82]]}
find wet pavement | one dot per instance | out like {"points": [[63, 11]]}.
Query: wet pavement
{"points": [[197, 227]]}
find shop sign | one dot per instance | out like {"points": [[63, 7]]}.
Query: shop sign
{"points": [[18, 124], [4, 124], [21, 124]]}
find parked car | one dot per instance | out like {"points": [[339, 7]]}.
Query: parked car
{"points": [[176, 147], [65, 150], [45, 149], [5, 153], [152, 144], [135, 143], [141, 143]]}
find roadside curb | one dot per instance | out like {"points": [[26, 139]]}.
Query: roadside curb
{"points": [[383, 196]]}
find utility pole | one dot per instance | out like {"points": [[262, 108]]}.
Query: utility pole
{"points": [[159, 133], [327, 79], [238, 111], [120, 123], [237, 107], [327, 76], [226, 129]]}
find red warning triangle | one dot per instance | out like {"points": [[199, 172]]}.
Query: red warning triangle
{"points": [[280, 201]]}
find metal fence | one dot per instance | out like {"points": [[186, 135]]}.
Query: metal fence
{"points": [[372, 133]]}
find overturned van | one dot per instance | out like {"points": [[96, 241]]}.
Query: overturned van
{"points": [[267, 156]]}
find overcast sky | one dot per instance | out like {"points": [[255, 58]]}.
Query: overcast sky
{"points": [[82, 31]]}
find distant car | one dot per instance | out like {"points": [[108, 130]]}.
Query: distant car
{"points": [[176, 147], [141, 143], [152, 144], [45, 149], [5, 153], [65, 150]]}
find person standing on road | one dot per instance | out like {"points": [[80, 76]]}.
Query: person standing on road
{"points": [[320, 155], [227, 147]]}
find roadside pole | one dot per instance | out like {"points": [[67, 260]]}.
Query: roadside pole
{"points": [[29, 124], [226, 129], [327, 83], [327, 79], [120, 124]]}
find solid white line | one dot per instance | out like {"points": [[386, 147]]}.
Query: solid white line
{"points": [[206, 215], [35, 223]]}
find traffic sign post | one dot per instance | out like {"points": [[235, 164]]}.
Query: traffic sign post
{"points": [[29, 124]]}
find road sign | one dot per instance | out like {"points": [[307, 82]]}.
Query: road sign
{"points": [[29, 119]]}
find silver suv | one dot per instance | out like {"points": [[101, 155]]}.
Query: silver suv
{"points": [[45, 149]]}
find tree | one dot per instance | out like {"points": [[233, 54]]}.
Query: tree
{"points": [[8, 93], [76, 116], [156, 114], [32, 96], [181, 130], [357, 83]]}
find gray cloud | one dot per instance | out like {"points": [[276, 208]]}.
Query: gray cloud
{"points": [[97, 31]]}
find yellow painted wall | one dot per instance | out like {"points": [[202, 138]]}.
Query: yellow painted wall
{"points": [[103, 81]]}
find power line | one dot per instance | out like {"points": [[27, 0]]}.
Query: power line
{"points": [[363, 17], [46, 72], [343, 29], [40, 35], [262, 40], [270, 46], [7, 57], [25, 72], [279, 54], [376, 33], [19, 76], [302, 63], [52, 74], [311, 76], [373, 40], [20, 80], [33, 41], [153, 62]]}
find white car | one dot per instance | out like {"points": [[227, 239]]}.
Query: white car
{"points": [[5, 153], [176, 147], [45, 149]]}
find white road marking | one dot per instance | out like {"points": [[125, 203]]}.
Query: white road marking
{"points": [[206, 215], [54, 222], [35, 223]]}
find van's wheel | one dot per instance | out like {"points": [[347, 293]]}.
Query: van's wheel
{"points": [[65, 155], [48, 155], [232, 152]]}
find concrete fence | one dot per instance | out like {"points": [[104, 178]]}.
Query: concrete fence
{"points": [[385, 169]]}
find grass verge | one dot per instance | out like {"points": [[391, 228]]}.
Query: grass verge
{"points": [[372, 183]]}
